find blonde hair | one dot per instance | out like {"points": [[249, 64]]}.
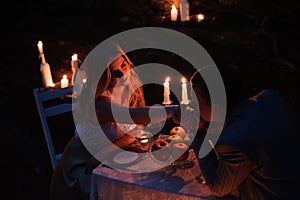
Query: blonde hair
{"points": [[96, 88], [137, 96]]}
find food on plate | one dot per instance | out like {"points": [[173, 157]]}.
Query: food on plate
{"points": [[178, 130], [161, 149], [170, 138], [158, 144], [187, 139], [176, 139], [180, 151]]}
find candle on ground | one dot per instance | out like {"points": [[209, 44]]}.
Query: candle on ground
{"points": [[167, 91], [200, 17], [174, 13], [74, 67], [184, 92], [64, 82]]}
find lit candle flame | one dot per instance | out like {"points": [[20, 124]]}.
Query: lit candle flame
{"points": [[200, 17], [183, 80], [40, 46], [167, 79], [74, 57]]}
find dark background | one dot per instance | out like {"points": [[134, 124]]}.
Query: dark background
{"points": [[259, 38]]}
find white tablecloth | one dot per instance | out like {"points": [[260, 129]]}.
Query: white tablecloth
{"points": [[171, 182]]}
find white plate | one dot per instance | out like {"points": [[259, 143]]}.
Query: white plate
{"points": [[125, 157]]}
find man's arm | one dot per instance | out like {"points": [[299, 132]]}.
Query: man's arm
{"points": [[223, 176]]}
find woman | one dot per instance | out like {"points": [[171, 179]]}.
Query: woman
{"points": [[119, 88]]}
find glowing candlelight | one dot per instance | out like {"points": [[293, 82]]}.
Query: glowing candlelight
{"points": [[74, 66], [144, 140], [45, 68], [174, 13], [200, 17], [184, 92], [64, 82], [167, 91], [40, 47]]}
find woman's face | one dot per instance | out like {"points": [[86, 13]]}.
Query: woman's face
{"points": [[118, 69]]}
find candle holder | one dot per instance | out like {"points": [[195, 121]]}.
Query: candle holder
{"points": [[167, 103], [185, 103]]}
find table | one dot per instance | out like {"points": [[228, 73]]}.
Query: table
{"points": [[175, 181]]}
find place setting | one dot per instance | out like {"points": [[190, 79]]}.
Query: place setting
{"points": [[172, 148]]}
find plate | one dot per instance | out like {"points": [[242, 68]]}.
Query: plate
{"points": [[123, 158]]}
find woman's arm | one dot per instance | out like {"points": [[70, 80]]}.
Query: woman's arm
{"points": [[140, 115], [223, 176]]}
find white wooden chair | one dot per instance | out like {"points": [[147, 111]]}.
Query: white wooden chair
{"points": [[46, 111]]}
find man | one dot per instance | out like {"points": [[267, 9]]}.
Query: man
{"points": [[257, 152]]}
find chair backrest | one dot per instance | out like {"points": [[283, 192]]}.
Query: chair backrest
{"points": [[47, 109]]}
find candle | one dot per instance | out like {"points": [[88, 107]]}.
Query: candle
{"points": [[46, 75], [74, 67], [40, 48], [64, 82], [174, 13], [184, 92], [167, 91], [200, 17], [184, 11], [45, 68], [81, 77]]}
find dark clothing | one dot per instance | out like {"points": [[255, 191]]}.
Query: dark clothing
{"points": [[258, 151], [70, 181]]}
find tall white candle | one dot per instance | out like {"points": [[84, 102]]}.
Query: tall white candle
{"points": [[174, 13], [167, 91], [45, 68], [64, 82], [81, 77], [46, 75], [74, 67], [184, 92], [184, 10]]}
